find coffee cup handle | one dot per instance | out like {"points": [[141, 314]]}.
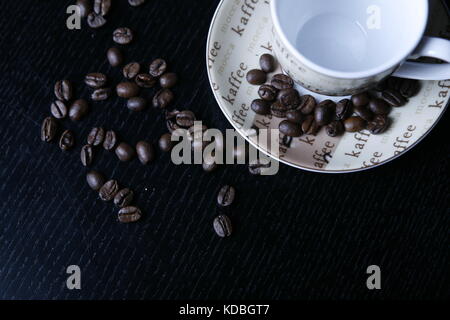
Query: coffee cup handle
{"points": [[429, 47]]}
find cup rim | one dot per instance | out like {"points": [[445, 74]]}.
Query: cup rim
{"points": [[392, 63]]}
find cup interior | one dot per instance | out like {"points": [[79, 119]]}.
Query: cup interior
{"points": [[352, 36]]}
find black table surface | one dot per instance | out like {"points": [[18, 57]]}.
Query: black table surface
{"points": [[298, 235]]}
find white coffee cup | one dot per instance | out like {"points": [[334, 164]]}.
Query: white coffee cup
{"points": [[343, 47]]}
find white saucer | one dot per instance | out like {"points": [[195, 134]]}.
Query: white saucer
{"points": [[235, 42]]}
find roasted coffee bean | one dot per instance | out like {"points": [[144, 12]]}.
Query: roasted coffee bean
{"points": [[364, 113], [409, 88], [158, 67], [260, 106], [127, 90], [256, 77], [394, 98], [325, 112], [129, 214], [379, 124], [344, 109], [95, 80], [381, 86], [307, 105], [379, 106], [165, 142], [63, 90], [102, 7], [96, 137], [335, 128], [294, 116], [145, 152], [123, 35], [95, 20], [87, 155], [125, 152], [185, 119], [222, 226], [145, 80], [281, 81], [393, 83], [354, 124], [361, 99], [256, 167], [168, 80], [278, 109], [172, 125], [109, 190], [286, 141], [136, 3], [309, 126], [85, 7], [131, 70], [163, 98], [115, 57], [209, 166], [101, 94], [49, 129], [267, 92], [58, 109], [136, 104], [290, 98], [95, 180], [110, 140], [290, 129], [78, 109], [123, 198], [67, 140], [226, 196], [267, 63]]}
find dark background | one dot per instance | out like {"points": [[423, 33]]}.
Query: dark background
{"points": [[298, 235]]}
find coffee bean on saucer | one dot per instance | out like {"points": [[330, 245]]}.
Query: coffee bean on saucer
{"points": [[102, 7], [123, 35], [163, 98], [110, 140], [324, 112], [286, 141], [278, 109], [158, 67], [378, 106], [115, 57], [145, 152], [123, 198], [125, 152], [394, 98], [267, 63], [290, 129], [335, 128], [168, 80], [354, 124], [226, 196], [49, 129], [101, 94], [256, 77], [309, 126], [261, 107], [145, 80], [78, 109], [267, 92], [58, 109], [290, 98], [379, 124], [281, 81], [136, 104], [109, 190], [95, 80], [131, 70], [95, 180], [185, 119], [67, 140], [409, 88], [222, 226], [294, 116], [344, 109], [85, 7], [361, 99], [127, 89], [63, 90], [96, 137], [95, 20], [87, 155], [364, 113], [129, 214], [307, 105], [165, 142]]}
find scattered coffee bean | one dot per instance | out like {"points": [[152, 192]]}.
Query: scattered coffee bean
{"points": [[78, 109], [158, 67], [379, 124], [95, 20], [168, 80], [281, 81], [222, 226], [165, 142], [136, 3], [226, 196], [409, 88], [96, 137], [309, 126], [278, 109], [364, 113], [102, 7], [95, 80], [131, 70], [290, 98], [125, 152], [101, 94], [109, 190], [58, 109], [394, 98], [256, 77], [379, 106], [294, 116], [335, 128], [95, 180], [49, 129], [136, 104], [85, 7], [87, 155], [361, 99], [115, 57], [307, 105], [325, 112], [127, 89], [290, 129], [110, 140], [185, 119], [63, 90], [354, 124], [123, 198], [145, 152], [67, 140], [129, 214], [261, 107], [267, 63], [123, 35], [163, 98], [145, 80], [344, 109], [267, 92]]}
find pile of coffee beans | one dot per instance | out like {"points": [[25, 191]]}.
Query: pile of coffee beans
{"points": [[303, 115]]}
